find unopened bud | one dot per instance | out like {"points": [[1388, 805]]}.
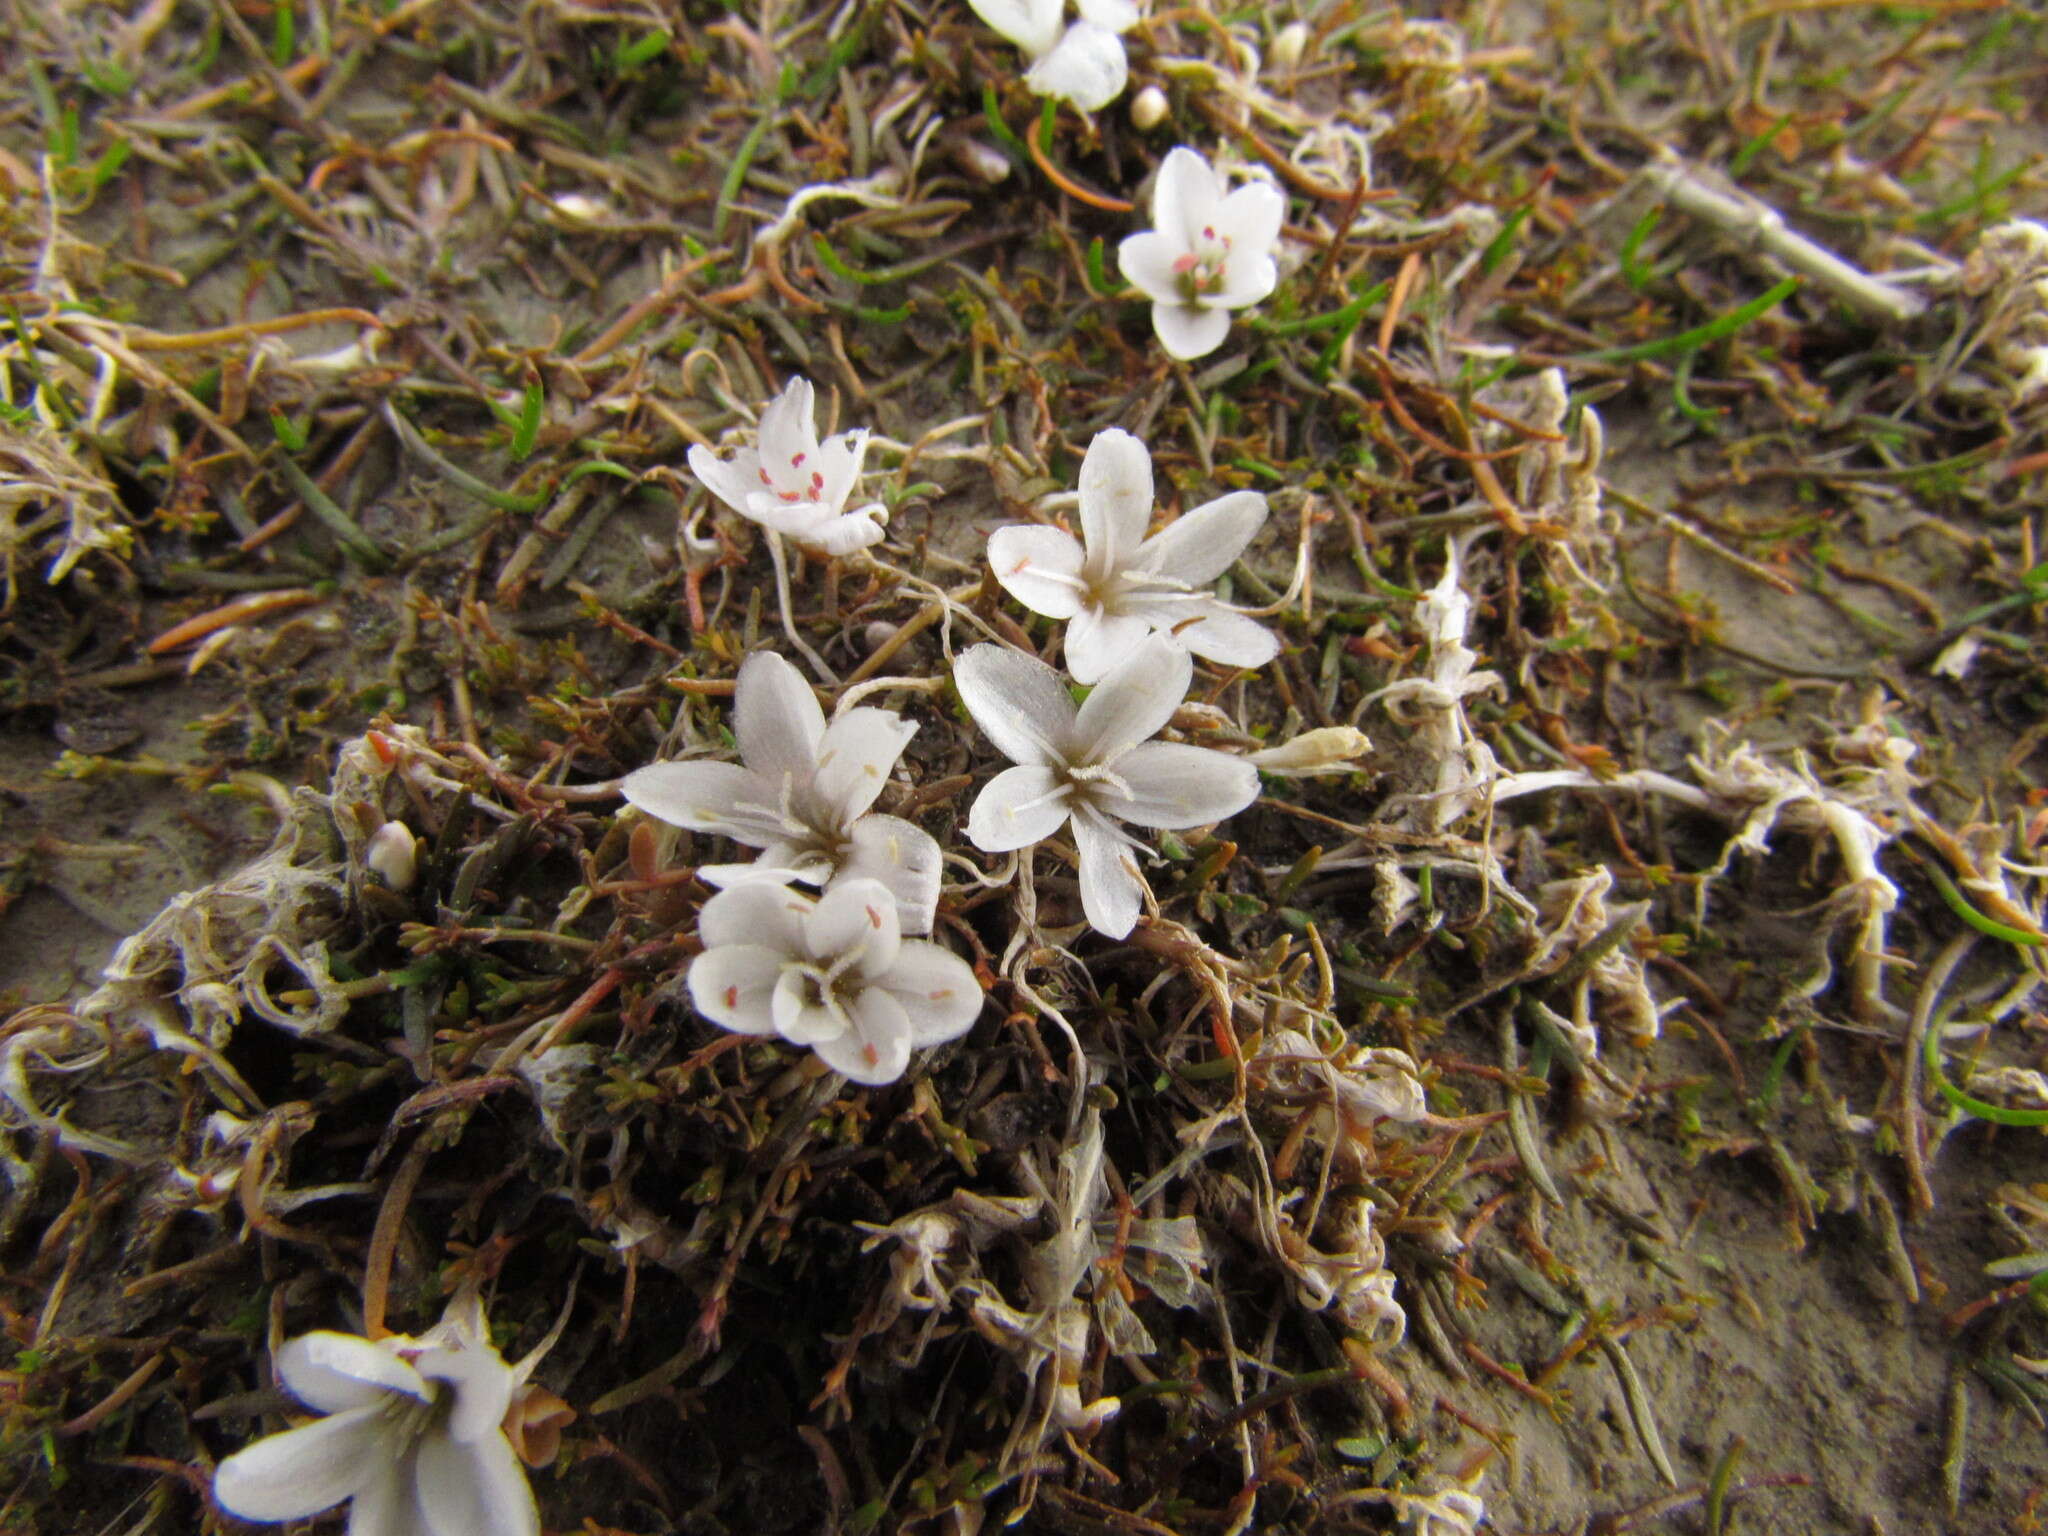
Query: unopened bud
{"points": [[1289, 44], [393, 855], [1329, 749], [1148, 109], [984, 162], [580, 208]]}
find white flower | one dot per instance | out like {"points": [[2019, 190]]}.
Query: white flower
{"points": [[834, 974], [1113, 584], [793, 484], [412, 1434], [1094, 766], [801, 792], [1085, 64], [1205, 255]]}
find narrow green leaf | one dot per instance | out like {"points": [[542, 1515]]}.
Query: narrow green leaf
{"points": [[1700, 335]]}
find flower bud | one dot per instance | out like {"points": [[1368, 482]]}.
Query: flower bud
{"points": [[1329, 749], [984, 162], [393, 855], [1289, 44], [1148, 109]]}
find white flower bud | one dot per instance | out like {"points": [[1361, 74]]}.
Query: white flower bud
{"points": [[580, 208], [1148, 109], [1289, 44], [1329, 749], [984, 162], [393, 855]]}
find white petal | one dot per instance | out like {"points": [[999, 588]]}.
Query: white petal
{"points": [[1018, 701], [778, 864], [1228, 638], [1147, 260], [937, 989], [1019, 807], [467, 1490], [1114, 15], [731, 481], [1176, 786], [1116, 498], [1040, 567], [1087, 67], [1133, 701], [1187, 332], [776, 718], [877, 1048], [854, 759], [483, 1385], [304, 1470], [1200, 547], [1110, 882], [755, 912], [789, 429], [703, 797], [1251, 216], [1246, 281], [1185, 199], [1097, 640], [1033, 25], [734, 986], [337, 1371], [905, 858], [385, 1505], [800, 1020], [854, 916], [839, 461], [843, 534], [794, 517]]}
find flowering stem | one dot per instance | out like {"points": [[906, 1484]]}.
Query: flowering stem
{"points": [[1040, 145], [781, 564], [384, 1239]]}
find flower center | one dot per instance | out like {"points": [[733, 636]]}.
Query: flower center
{"points": [[1200, 269], [411, 1419], [794, 483], [798, 817], [1087, 782]]}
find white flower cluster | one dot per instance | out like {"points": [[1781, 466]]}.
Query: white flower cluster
{"points": [[823, 939], [837, 973]]}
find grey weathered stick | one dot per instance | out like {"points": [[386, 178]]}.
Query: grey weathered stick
{"points": [[1736, 213]]}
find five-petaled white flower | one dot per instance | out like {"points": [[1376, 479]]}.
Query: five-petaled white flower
{"points": [[1206, 253], [1113, 584], [412, 1435], [1085, 64], [792, 483], [834, 974], [1094, 766], [801, 793]]}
